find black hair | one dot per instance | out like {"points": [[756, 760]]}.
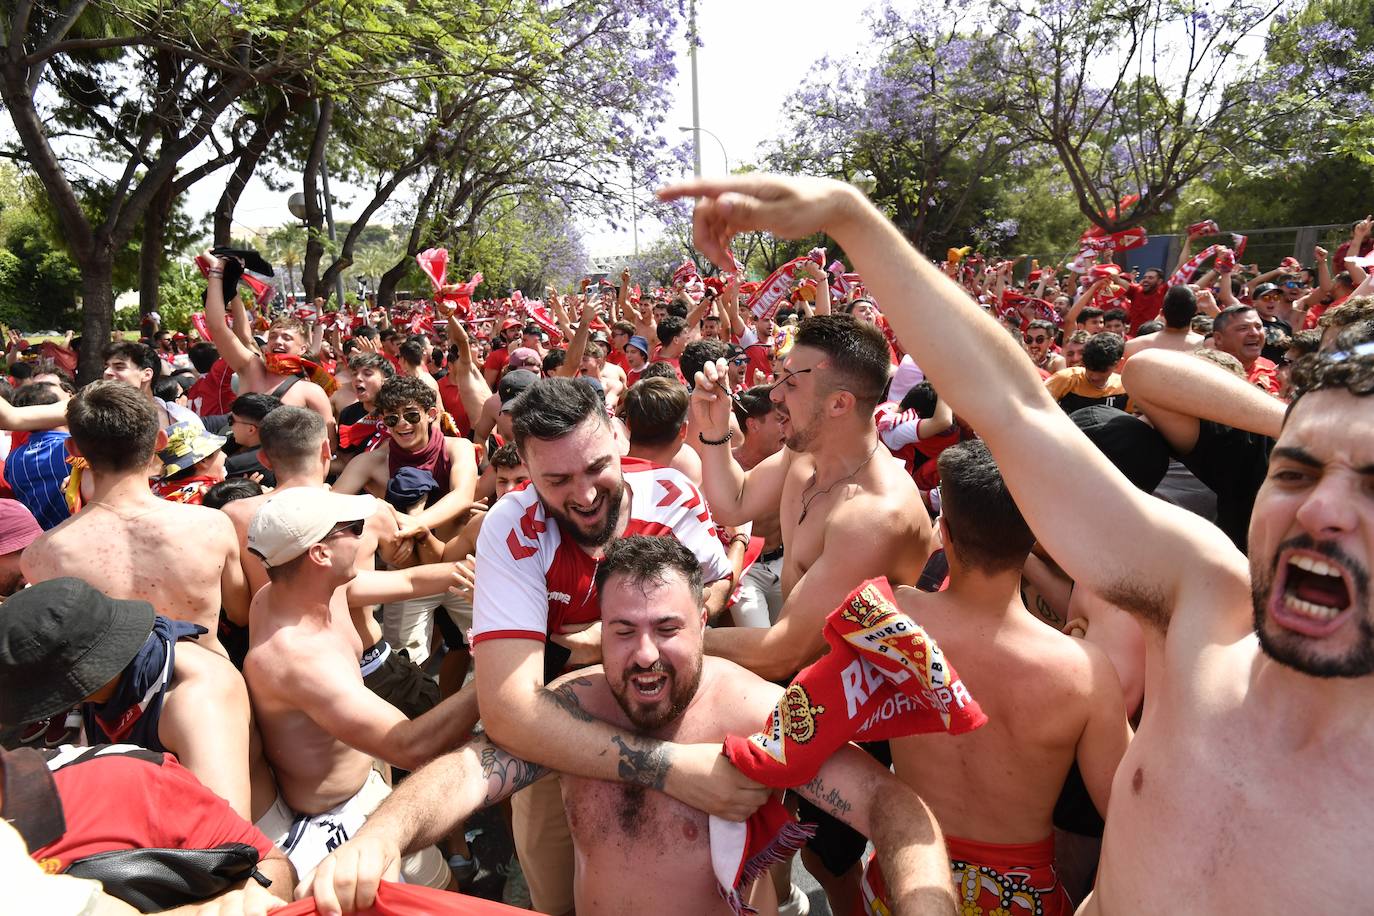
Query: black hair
{"points": [[858, 354], [203, 356], [553, 360], [1103, 351], [366, 331], [1150, 327], [985, 525], [669, 329], [678, 309], [412, 352], [920, 398], [20, 370], [553, 407], [1089, 313], [645, 559], [1116, 315], [505, 456], [400, 390], [655, 410], [227, 491], [1180, 305], [167, 389], [698, 353], [753, 404], [141, 355], [254, 406], [361, 361]]}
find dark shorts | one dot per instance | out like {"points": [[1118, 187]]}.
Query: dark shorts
{"points": [[836, 844], [448, 629], [401, 683]]}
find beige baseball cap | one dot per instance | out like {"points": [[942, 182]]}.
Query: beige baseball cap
{"points": [[291, 521]]}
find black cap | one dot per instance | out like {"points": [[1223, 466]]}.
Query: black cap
{"points": [[513, 383], [61, 641], [1263, 290], [1134, 446]]}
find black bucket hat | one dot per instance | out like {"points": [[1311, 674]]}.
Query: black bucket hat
{"points": [[61, 641]]}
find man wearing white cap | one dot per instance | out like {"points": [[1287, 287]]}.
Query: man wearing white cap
{"points": [[320, 725]]}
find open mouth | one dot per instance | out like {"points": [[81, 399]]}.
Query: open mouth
{"points": [[590, 513], [1312, 595], [649, 685]]}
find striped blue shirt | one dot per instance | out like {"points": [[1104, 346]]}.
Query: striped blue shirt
{"points": [[35, 472]]}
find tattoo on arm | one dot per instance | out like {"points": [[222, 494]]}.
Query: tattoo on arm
{"points": [[506, 774], [829, 798], [565, 695], [646, 766]]}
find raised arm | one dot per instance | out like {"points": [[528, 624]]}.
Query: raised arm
{"points": [[231, 348], [735, 495], [578, 345], [1061, 482], [462, 486], [1083, 301], [729, 304], [34, 418]]}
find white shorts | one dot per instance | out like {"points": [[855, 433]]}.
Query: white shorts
{"points": [[409, 624], [308, 838]]}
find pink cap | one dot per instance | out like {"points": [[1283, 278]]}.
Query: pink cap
{"points": [[18, 527]]}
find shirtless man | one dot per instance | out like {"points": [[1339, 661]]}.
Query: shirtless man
{"points": [[760, 598], [108, 659], [642, 851], [594, 365], [1180, 305], [320, 725], [997, 819], [287, 337], [184, 560], [1039, 340], [849, 512], [296, 449], [655, 414], [1260, 672]]}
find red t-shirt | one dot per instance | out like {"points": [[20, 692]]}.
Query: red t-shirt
{"points": [[124, 797], [496, 360], [1264, 374], [617, 358], [1143, 306], [453, 404], [213, 392]]}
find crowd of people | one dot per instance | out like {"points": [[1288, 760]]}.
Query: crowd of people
{"points": [[560, 555]]}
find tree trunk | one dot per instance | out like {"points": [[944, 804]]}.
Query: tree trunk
{"points": [[386, 285], [151, 253], [271, 122], [314, 213], [97, 316]]}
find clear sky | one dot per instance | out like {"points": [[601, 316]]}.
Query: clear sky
{"points": [[755, 52]]}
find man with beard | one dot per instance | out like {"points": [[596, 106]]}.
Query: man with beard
{"points": [[638, 851], [536, 559], [849, 512], [1250, 756]]}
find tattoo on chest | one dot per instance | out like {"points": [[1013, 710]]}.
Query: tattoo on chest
{"points": [[646, 767]]}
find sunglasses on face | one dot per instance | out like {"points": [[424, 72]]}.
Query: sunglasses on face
{"points": [[740, 361], [1030, 339], [410, 416], [353, 528]]}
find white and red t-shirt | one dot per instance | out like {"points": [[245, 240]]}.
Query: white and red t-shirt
{"points": [[531, 581]]}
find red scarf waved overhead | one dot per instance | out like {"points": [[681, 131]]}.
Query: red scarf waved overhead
{"points": [[279, 364]]}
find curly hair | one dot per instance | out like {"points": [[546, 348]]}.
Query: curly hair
{"points": [[1349, 366], [400, 390]]}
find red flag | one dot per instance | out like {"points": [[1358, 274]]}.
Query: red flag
{"points": [[434, 262]]}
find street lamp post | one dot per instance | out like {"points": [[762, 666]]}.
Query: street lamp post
{"points": [[698, 131], [696, 112]]}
